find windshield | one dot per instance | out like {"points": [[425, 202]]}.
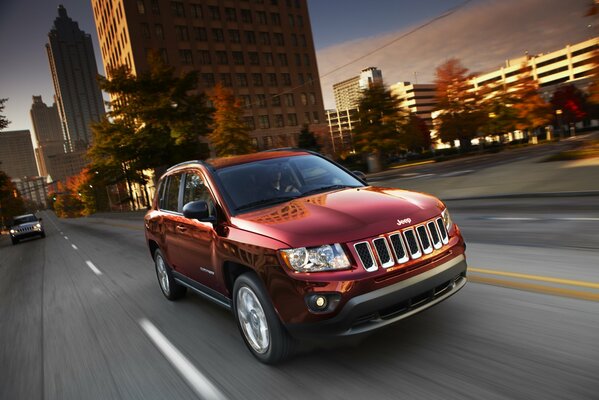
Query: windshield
{"points": [[267, 182], [24, 219]]}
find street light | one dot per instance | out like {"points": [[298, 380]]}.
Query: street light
{"points": [[559, 113]]}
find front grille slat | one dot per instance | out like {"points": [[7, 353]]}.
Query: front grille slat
{"points": [[365, 253], [382, 250], [425, 242], [442, 230], [436, 239], [412, 242], [399, 248]]}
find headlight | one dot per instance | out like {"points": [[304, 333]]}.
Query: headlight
{"points": [[13, 231], [38, 226], [447, 220], [323, 258]]}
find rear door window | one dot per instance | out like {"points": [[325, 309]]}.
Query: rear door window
{"points": [[170, 200]]}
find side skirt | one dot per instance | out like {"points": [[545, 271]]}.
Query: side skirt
{"points": [[203, 291]]}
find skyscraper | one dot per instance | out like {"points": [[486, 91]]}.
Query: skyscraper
{"points": [[48, 134], [348, 92], [16, 154], [262, 50], [74, 73]]}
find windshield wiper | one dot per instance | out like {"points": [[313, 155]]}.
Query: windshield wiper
{"points": [[327, 188], [265, 202]]}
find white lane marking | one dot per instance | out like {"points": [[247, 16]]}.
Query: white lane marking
{"points": [[93, 268], [66, 238], [455, 173], [198, 382], [513, 218], [416, 177], [75, 247], [578, 219]]}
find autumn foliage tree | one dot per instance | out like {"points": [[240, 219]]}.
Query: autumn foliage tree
{"points": [[230, 134], [532, 111], [571, 101], [593, 12], [11, 202], [460, 116], [3, 121]]}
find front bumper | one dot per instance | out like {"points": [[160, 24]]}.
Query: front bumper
{"points": [[390, 304], [27, 234]]}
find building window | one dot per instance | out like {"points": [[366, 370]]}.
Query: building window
{"points": [[249, 121], [279, 121], [278, 39], [242, 80], [163, 55], [182, 33], [234, 36], [264, 38], [204, 57], [254, 143], [141, 7], [300, 21], [208, 80], [298, 60], [289, 99], [226, 80], [300, 79], [316, 117], [250, 37], [218, 35], [230, 14], [155, 7], [294, 39], [257, 79], [304, 99], [306, 117], [312, 98], [303, 41], [292, 119], [291, 20], [275, 18], [254, 59], [159, 31], [309, 79], [261, 17], [306, 60], [286, 79], [185, 57], [283, 59], [268, 59], [196, 11], [275, 100], [267, 140], [261, 100], [221, 58], [237, 58], [272, 79], [246, 101], [177, 9], [214, 12], [246, 16], [200, 34], [145, 31]]}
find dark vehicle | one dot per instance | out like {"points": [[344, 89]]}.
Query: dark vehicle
{"points": [[26, 226], [297, 246]]}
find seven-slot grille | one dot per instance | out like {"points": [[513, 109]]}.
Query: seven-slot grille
{"points": [[399, 247]]}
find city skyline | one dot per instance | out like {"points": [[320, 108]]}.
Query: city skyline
{"points": [[545, 29]]}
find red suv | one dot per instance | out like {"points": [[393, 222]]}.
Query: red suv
{"points": [[295, 245]]}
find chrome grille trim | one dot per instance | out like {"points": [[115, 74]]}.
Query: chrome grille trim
{"points": [[386, 249], [368, 266], [434, 232], [442, 230], [423, 238], [401, 243], [415, 249]]}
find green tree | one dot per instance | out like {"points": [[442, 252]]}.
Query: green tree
{"points": [[307, 140], [156, 119], [460, 115], [11, 202], [380, 121], [3, 121], [230, 135]]}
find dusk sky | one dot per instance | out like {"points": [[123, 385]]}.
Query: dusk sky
{"points": [[483, 34]]}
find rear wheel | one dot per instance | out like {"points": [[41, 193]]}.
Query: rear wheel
{"points": [[171, 289], [262, 331]]}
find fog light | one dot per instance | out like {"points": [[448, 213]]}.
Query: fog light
{"points": [[321, 301]]}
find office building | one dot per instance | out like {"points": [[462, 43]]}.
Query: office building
{"points": [[74, 74], [34, 190], [348, 92], [341, 127], [17, 158], [419, 98], [48, 134], [262, 50]]}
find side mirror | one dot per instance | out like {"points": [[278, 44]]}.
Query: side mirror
{"points": [[198, 210], [39, 219], [360, 175]]}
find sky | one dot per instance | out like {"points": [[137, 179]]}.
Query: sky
{"points": [[481, 33]]}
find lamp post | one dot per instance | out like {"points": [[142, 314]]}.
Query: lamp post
{"points": [[559, 113]]}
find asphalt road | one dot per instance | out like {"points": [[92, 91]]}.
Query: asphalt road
{"points": [[82, 317]]}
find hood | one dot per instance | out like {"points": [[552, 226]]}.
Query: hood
{"points": [[340, 216]]}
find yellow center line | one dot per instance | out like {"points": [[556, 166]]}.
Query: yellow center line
{"points": [[591, 285]]}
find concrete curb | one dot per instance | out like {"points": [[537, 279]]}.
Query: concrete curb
{"points": [[527, 195]]}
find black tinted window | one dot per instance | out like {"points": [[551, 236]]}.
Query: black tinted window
{"points": [[171, 196]]}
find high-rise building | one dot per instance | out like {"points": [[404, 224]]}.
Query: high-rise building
{"points": [[262, 50], [48, 134], [17, 159], [348, 92], [33, 189], [419, 98], [74, 73]]}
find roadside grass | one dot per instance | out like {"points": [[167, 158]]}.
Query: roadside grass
{"points": [[589, 149]]}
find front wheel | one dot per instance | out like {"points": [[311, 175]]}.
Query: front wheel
{"points": [[171, 289], [262, 331]]}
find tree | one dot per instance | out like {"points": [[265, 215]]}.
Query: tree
{"points": [[11, 202], [230, 134], [415, 135], [156, 119], [532, 111], [593, 11], [307, 140], [3, 121], [572, 103], [380, 121], [460, 116], [498, 111]]}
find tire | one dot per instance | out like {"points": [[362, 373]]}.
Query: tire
{"points": [[255, 314], [170, 289], [14, 240], [43, 235]]}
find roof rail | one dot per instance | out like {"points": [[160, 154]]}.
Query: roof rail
{"points": [[284, 149], [185, 163]]}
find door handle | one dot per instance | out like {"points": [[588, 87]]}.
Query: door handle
{"points": [[181, 228]]}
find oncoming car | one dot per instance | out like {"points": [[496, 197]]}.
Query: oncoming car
{"points": [[26, 226], [297, 246]]}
